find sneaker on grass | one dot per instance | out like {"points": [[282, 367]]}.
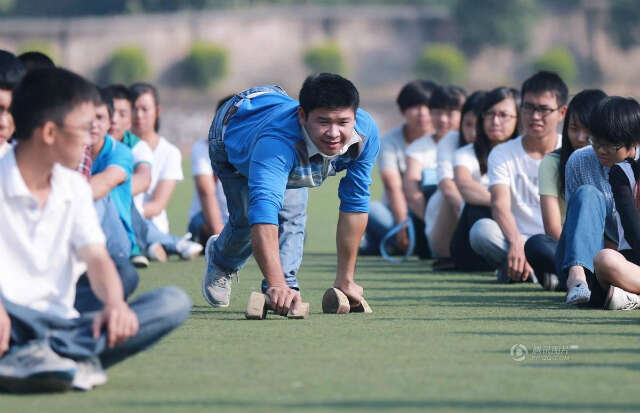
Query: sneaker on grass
{"points": [[140, 261], [216, 283], [35, 368], [580, 294], [619, 299], [188, 249], [89, 374]]}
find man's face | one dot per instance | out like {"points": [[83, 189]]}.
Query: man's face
{"points": [[418, 117], [610, 153], [329, 129], [541, 114], [6, 120], [445, 120], [101, 125], [73, 135], [121, 120]]}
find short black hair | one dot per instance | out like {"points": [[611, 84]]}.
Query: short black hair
{"points": [[482, 145], [48, 95], [545, 81], [139, 89], [105, 99], [415, 93], [116, 91], [617, 120], [11, 70], [472, 104], [448, 97], [580, 107], [36, 60], [328, 90]]}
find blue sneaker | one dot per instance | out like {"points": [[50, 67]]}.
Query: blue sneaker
{"points": [[216, 283]]}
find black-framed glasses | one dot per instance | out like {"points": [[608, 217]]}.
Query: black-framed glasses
{"points": [[606, 147], [544, 111]]}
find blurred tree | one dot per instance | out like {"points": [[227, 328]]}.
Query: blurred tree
{"points": [[494, 23], [126, 65], [205, 64], [6, 5], [559, 60], [442, 63], [326, 57], [624, 22]]}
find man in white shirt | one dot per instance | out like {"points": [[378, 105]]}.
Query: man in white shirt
{"points": [[513, 179], [50, 236]]}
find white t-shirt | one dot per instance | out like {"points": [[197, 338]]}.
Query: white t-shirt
{"points": [[424, 150], [201, 165], [142, 153], [38, 247], [510, 165], [447, 147], [4, 148], [466, 157], [167, 165]]}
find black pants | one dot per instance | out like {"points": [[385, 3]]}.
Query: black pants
{"points": [[540, 251], [462, 254]]}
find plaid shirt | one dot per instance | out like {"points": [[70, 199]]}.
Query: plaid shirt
{"points": [[85, 165]]}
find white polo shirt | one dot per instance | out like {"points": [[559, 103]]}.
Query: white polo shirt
{"points": [[38, 246]]}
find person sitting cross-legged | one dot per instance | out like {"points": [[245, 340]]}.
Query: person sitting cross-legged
{"points": [[50, 236]]}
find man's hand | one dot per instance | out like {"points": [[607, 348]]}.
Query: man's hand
{"points": [[519, 268], [352, 290], [402, 240], [120, 320], [282, 298], [5, 330]]}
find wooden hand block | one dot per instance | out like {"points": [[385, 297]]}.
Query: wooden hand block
{"points": [[362, 308], [335, 301], [259, 305]]}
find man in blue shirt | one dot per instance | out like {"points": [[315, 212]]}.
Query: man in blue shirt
{"points": [[267, 149]]}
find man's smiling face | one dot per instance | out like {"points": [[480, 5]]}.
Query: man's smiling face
{"points": [[329, 129]]}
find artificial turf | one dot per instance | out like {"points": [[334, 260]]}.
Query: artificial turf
{"points": [[435, 341]]}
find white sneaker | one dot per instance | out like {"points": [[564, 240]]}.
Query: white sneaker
{"points": [[187, 248], [619, 299], [140, 261], [156, 252], [580, 294], [89, 375], [36, 368]]}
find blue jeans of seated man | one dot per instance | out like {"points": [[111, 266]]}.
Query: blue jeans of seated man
{"points": [[118, 243], [159, 312], [380, 222], [147, 233], [86, 300], [583, 231], [540, 251], [233, 247], [195, 224]]}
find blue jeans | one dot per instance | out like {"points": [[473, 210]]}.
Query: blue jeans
{"points": [[233, 247], [159, 312], [147, 233], [118, 243], [583, 231]]}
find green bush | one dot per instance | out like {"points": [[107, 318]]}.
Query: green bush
{"points": [[442, 63], [126, 65], [559, 60], [205, 64], [39, 46], [325, 58]]}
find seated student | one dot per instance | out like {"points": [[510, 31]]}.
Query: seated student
{"points": [[618, 272], [498, 121], [166, 170], [513, 180], [36, 60], [420, 179], [50, 234], [11, 71], [540, 249], [593, 221], [413, 103], [446, 184]]}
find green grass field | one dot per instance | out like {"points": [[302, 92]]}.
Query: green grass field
{"points": [[436, 341]]}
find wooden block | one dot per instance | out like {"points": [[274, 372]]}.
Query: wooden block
{"points": [[335, 301], [362, 308], [257, 306], [303, 312]]}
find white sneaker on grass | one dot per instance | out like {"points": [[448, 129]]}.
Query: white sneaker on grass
{"points": [[580, 294], [619, 299], [188, 249], [140, 261], [89, 374], [36, 368], [216, 283]]}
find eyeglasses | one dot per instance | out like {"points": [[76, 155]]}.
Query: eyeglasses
{"points": [[502, 116], [544, 111], [609, 148]]}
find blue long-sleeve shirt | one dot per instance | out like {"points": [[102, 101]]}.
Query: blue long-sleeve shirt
{"points": [[264, 141]]}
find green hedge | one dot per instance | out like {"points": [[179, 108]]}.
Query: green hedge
{"points": [[205, 64], [325, 58], [128, 64], [559, 60], [442, 63]]}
